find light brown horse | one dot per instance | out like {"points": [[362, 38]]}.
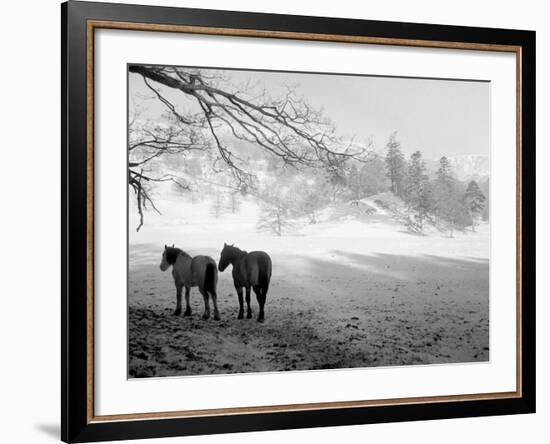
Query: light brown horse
{"points": [[249, 270], [198, 271]]}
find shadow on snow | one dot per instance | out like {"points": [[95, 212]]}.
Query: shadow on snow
{"points": [[343, 311]]}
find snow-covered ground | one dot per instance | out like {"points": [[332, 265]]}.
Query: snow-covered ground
{"points": [[353, 290]]}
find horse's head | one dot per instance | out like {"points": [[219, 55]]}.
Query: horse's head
{"points": [[225, 257], [168, 257]]}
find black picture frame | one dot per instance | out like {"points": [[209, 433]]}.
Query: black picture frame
{"points": [[76, 423]]}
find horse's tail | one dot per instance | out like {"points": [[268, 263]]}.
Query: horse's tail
{"points": [[210, 278], [264, 274]]}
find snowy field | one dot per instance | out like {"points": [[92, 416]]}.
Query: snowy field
{"points": [[353, 290]]}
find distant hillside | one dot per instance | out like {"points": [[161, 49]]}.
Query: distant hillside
{"points": [[466, 167], [471, 166]]}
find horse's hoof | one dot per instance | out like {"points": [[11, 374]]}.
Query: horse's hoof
{"points": [[177, 312], [187, 313], [205, 316], [261, 320], [217, 317], [248, 315], [240, 316]]}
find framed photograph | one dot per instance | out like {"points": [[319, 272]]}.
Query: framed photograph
{"points": [[275, 221]]}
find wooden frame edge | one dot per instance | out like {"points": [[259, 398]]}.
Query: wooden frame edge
{"points": [[284, 408], [519, 220], [91, 25], [90, 181], [336, 38]]}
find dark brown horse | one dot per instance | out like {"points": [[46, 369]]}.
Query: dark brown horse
{"points": [[198, 271], [249, 270]]}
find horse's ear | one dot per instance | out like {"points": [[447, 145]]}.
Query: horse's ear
{"points": [[232, 245], [173, 245], [224, 244], [165, 246]]}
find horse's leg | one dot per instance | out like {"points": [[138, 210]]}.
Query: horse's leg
{"points": [[214, 297], [261, 302], [240, 295], [187, 304], [177, 312], [248, 310], [206, 313]]}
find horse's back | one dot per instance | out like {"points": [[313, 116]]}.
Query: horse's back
{"points": [[200, 261], [200, 266], [258, 264]]}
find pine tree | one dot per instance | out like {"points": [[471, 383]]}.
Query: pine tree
{"points": [[474, 200], [374, 179], [419, 193], [395, 166], [444, 172], [448, 205], [445, 189], [484, 187]]}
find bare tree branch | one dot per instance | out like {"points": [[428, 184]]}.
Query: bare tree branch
{"points": [[287, 128]]}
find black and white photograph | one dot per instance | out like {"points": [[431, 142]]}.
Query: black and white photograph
{"points": [[263, 222], [299, 221]]}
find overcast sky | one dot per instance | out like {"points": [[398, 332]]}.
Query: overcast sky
{"points": [[438, 117]]}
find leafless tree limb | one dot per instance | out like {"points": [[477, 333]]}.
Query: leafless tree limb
{"points": [[287, 127]]}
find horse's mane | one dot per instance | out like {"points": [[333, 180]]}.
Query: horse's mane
{"points": [[172, 254], [234, 250]]}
